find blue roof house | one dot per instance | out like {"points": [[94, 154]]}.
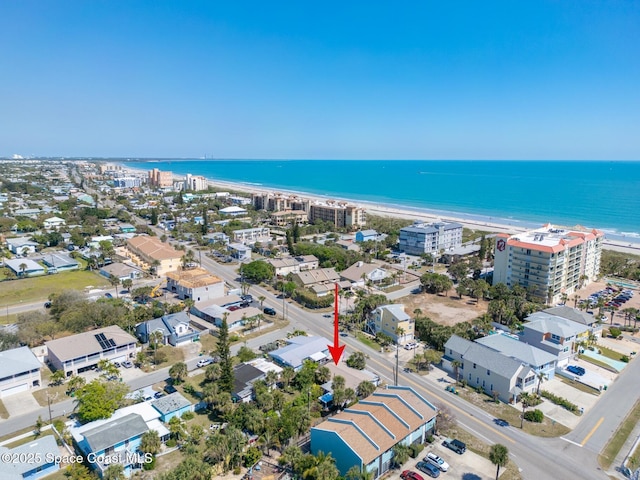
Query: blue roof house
{"points": [[366, 235], [41, 453], [173, 405]]}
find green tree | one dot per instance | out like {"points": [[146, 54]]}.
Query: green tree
{"points": [[127, 283], [178, 372], [357, 360], [365, 388], [58, 377], [499, 456], [114, 281], [155, 340], [99, 399], [37, 430], [245, 354], [225, 382], [115, 471], [154, 216], [257, 271], [400, 454]]}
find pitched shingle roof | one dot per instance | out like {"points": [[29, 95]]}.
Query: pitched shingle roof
{"points": [[513, 348], [117, 431]]}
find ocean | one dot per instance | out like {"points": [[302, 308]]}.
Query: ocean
{"points": [[597, 194]]}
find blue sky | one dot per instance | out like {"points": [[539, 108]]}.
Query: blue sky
{"points": [[350, 80]]}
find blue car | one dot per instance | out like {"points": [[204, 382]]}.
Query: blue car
{"points": [[576, 370], [429, 469]]}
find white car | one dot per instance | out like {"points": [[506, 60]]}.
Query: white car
{"points": [[434, 459], [204, 362]]}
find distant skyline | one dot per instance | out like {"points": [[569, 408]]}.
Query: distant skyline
{"points": [[334, 80]]}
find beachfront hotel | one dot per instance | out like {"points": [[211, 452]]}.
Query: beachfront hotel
{"points": [[436, 237], [341, 214], [195, 183], [551, 261]]}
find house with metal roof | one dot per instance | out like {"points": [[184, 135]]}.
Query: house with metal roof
{"points": [[21, 245], [364, 434], [366, 235], [170, 406], [81, 352], [59, 262], [578, 316], [299, 349], [41, 455], [553, 334], [24, 267], [19, 371], [483, 367], [53, 223], [541, 361]]}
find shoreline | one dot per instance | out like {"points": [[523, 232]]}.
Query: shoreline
{"points": [[474, 222]]}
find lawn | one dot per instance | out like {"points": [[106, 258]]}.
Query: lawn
{"points": [[618, 439], [3, 411], [56, 394], [597, 363], [612, 354], [548, 428], [8, 319], [39, 288]]}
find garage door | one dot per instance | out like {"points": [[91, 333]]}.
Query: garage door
{"points": [[17, 389]]}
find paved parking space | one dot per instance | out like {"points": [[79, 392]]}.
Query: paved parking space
{"points": [[20, 403], [468, 466]]}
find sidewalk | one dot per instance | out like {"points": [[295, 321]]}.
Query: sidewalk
{"points": [[625, 451]]}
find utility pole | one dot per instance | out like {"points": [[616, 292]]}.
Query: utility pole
{"points": [[397, 364]]}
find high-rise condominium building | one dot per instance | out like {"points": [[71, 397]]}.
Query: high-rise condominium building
{"points": [[550, 261], [422, 238]]}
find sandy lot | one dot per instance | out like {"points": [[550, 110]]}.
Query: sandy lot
{"points": [[444, 310]]}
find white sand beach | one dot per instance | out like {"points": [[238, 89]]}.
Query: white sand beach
{"points": [[406, 213]]}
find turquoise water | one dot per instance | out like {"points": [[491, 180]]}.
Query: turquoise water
{"points": [[618, 366], [604, 195]]}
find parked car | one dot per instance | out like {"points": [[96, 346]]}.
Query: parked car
{"points": [[434, 459], [108, 295], [269, 311], [169, 389], [204, 362], [127, 364], [117, 364], [455, 445], [47, 304], [158, 395], [247, 298], [576, 370], [409, 475], [429, 469]]}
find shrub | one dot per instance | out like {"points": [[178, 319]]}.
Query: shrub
{"points": [[236, 470], [624, 358], [429, 439], [187, 416], [171, 443], [150, 465], [416, 448], [534, 416], [615, 332], [563, 402]]}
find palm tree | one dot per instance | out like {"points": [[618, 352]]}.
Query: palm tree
{"points": [[541, 378], [456, 364], [499, 456], [261, 299], [365, 388], [127, 283], [155, 338], [178, 372], [575, 300], [23, 268], [114, 281], [525, 398]]}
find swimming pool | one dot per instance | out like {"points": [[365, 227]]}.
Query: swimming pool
{"points": [[632, 286], [615, 364]]}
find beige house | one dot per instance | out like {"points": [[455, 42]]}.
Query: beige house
{"points": [[389, 319], [146, 251], [196, 284], [287, 217], [287, 265], [78, 353], [360, 272]]}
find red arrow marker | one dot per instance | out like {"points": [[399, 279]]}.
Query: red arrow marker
{"points": [[336, 349]]}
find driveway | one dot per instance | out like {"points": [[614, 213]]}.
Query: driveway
{"points": [[468, 466], [556, 412], [20, 403]]}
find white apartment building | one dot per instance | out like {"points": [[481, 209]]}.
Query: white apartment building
{"points": [[551, 260], [251, 235], [422, 238], [195, 183]]}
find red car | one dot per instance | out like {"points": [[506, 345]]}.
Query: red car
{"points": [[409, 475]]}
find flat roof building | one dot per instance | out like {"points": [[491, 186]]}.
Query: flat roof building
{"points": [[435, 237]]}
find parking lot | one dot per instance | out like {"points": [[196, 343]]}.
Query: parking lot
{"points": [[468, 466]]}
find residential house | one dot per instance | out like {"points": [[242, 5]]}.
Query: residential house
{"points": [[217, 237], [197, 284], [459, 253], [175, 329], [19, 371], [299, 349], [366, 236], [36, 459], [173, 405], [127, 228], [53, 223], [117, 439], [486, 368], [244, 376], [320, 276], [81, 352], [578, 316], [510, 346], [239, 251], [285, 266], [363, 435], [233, 211], [121, 271], [59, 262], [361, 273], [21, 246], [24, 267], [393, 321], [213, 312], [553, 334], [150, 252], [352, 378]]}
